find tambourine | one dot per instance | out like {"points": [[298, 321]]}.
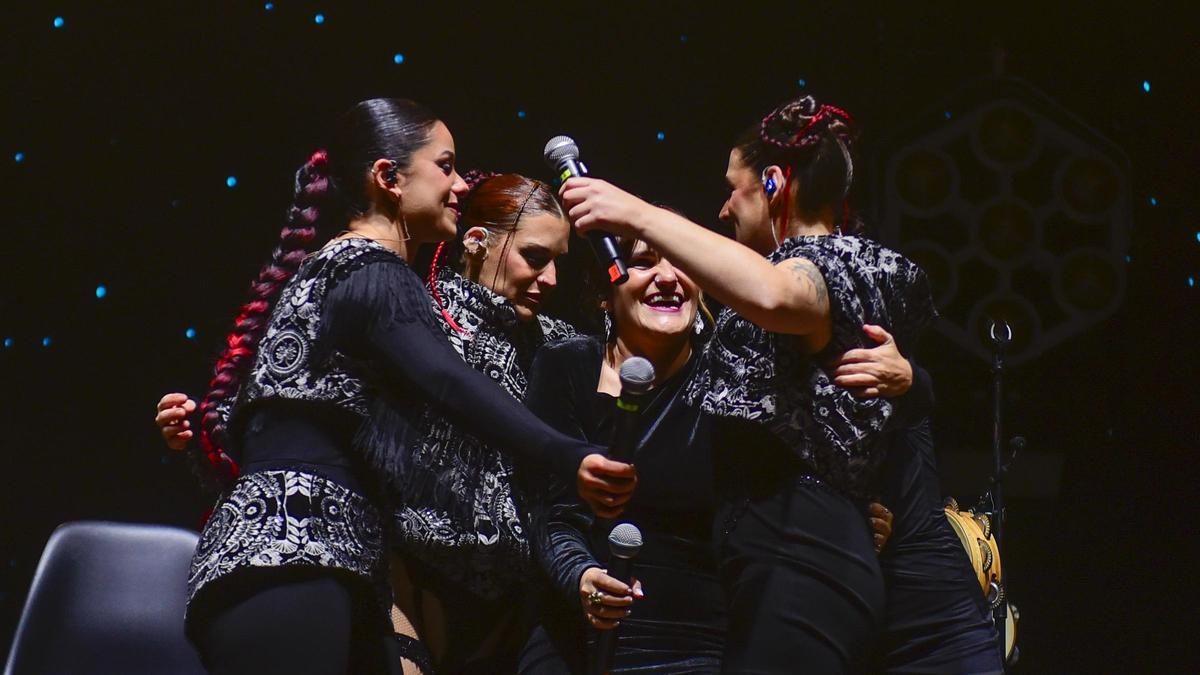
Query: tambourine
{"points": [[974, 531]]}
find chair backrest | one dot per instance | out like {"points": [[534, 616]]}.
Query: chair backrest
{"points": [[107, 598]]}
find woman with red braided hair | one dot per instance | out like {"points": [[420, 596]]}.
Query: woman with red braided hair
{"points": [[316, 409], [795, 453]]}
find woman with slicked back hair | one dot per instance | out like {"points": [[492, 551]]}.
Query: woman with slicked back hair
{"points": [[314, 415], [794, 453]]}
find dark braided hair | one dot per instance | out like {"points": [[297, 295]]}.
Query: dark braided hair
{"points": [[813, 143], [330, 188]]}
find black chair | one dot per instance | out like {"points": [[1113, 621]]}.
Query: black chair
{"points": [[107, 598]]}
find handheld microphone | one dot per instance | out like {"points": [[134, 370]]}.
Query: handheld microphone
{"points": [[637, 376], [562, 155], [624, 543]]}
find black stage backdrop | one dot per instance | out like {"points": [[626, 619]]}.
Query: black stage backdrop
{"points": [[125, 126]]}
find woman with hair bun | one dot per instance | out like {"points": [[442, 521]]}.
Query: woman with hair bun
{"points": [[315, 410], [460, 529], [795, 454]]}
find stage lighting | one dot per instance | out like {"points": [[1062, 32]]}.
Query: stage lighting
{"points": [[1153, 201], [190, 333], [661, 136], [101, 291], [8, 342], [58, 22], [398, 59], [19, 157], [319, 19], [269, 6], [520, 114], [231, 181], [1146, 86], [46, 341]]}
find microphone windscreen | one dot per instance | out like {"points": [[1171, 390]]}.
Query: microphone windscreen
{"points": [[625, 540], [637, 375], [558, 149]]}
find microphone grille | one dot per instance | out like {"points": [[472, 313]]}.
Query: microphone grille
{"points": [[637, 374], [558, 149], [625, 540]]}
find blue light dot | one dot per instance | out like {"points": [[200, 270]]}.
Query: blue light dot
{"points": [[58, 22], [661, 136], [231, 181], [802, 82], [190, 333], [521, 114], [1198, 236], [946, 114], [101, 291], [269, 6], [398, 58], [1191, 282], [8, 342], [1154, 201], [1146, 86], [319, 19], [19, 157], [46, 341], [683, 39]]}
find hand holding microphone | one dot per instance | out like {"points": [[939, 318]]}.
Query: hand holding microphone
{"points": [[624, 543], [597, 209], [607, 482]]}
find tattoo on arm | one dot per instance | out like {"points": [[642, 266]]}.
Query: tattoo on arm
{"points": [[808, 273]]}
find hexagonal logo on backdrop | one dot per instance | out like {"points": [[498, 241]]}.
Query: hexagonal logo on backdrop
{"points": [[1016, 210]]}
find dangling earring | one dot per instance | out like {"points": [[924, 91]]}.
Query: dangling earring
{"points": [[405, 236], [608, 325], [698, 324], [404, 229]]}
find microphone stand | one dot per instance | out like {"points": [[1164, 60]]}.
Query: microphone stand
{"points": [[1001, 337]]}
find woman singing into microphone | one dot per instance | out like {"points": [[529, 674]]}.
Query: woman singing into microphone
{"points": [[794, 453]]}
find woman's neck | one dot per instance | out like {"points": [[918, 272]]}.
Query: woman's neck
{"points": [[386, 233], [820, 223], [667, 356]]}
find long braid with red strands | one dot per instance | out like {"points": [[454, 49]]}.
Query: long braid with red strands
{"points": [[296, 241]]}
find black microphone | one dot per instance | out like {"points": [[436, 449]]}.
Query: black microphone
{"points": [[624, 543], [637, 376], [562, 155]]}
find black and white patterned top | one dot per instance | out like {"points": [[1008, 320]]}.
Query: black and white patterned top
{"points": [[286, 365], [288, 517], [461, 514], [753, 374]]}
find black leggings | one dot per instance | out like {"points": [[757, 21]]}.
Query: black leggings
{"points": [[293, 627]]}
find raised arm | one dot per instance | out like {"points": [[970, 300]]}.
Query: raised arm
{"points": [[789, 297]]}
